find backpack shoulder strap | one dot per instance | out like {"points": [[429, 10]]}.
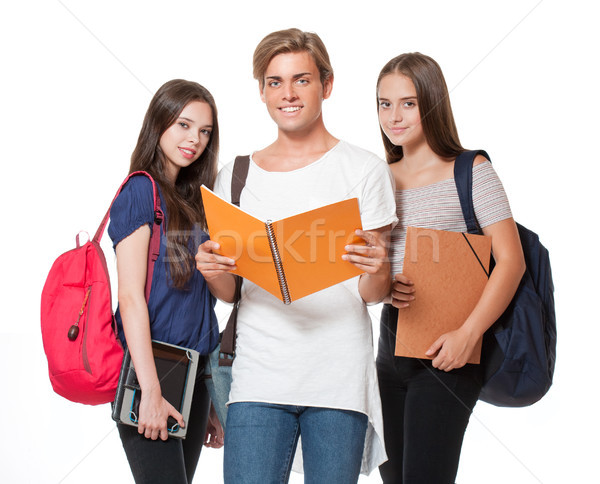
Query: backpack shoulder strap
{"points": [[227, 349], [241, 166], [238, 181], [463, 177], [154, 246]]}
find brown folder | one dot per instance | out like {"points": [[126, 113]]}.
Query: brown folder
{"points": [[290, 258], [449, 271]]}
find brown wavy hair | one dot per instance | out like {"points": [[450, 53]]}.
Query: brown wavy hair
{"points": [[433, 100], [183, 200], [286, 42]]}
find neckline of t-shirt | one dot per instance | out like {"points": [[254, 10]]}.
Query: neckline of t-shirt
{"points": [[432, 185], [316, 162]]}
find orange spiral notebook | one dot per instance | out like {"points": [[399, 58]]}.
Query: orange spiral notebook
{"points": [[449, 271], [292, 257]]}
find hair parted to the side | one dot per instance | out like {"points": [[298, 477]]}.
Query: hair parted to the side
{"points": [[433, 100], [184, 202], [290, 41]]}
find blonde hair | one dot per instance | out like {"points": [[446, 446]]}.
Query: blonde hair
{"points": [[290, 41]]}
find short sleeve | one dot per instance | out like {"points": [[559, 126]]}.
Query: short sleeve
{"points": [[489, 199], [377, 201], [223, 181], [133, 208]]}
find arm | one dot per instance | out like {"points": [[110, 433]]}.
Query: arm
{"points": [[372, 258], [452, 349], [215, 437], [216, 270], [132, 259]]}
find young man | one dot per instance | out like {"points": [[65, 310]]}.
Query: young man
{"points": [[306, 368]]}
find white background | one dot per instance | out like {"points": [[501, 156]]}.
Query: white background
{"points": [[77, 79]]}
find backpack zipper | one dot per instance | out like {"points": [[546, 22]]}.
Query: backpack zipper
{"points": [[84, 355]]}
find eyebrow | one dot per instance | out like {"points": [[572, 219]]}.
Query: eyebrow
{"points": [[401, 99], [191, 121], [295, 76]]}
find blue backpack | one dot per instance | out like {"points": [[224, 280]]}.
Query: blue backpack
{"points": [[519, 350]]}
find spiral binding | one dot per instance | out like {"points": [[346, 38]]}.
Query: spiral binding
{"points": [[283, 287]]}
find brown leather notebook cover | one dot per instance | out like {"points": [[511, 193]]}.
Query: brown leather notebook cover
{"points": [[449, 271], [307, 255]]}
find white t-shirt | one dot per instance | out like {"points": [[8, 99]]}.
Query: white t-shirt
{"points": [[317, 351]]}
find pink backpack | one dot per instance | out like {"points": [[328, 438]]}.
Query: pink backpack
{"points": [[78, 325]]}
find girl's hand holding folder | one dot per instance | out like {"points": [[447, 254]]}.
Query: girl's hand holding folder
{"points": [[154, 412]]}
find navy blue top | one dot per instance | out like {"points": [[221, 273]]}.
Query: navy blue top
{"points": [[181, 317]]}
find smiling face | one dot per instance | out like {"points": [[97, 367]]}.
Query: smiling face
{"points": [[293, 92], [399, 114], [184, 141]]}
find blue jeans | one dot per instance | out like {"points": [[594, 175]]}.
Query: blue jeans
{"points": [[261, 439]]}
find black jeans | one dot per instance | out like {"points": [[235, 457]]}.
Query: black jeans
{"points": [[174, 460], [425, 412]]}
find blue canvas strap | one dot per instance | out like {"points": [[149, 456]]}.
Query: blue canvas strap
{"points": [[463, 177]]}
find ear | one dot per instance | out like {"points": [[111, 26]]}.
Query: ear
{"points": [[261, 90], [327, 87]]}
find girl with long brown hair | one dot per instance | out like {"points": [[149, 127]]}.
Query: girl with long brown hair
{"points": [[427, 402], [178, 146]]}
